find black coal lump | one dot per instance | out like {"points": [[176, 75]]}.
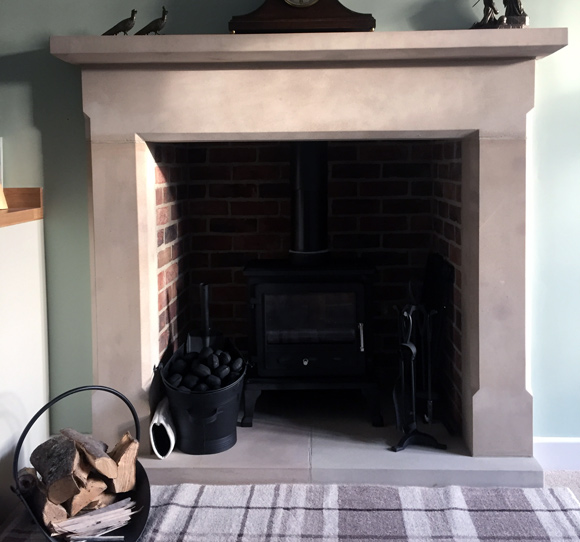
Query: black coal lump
{"points": [[179, 365], [205, 352], [201, 386], [213, 382], [201, 370], [237, 364], [190, 380], [224, 358], [191, 356], [222, 371], [212, 362], [175, 380]]}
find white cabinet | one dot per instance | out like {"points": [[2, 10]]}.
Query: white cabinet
{"points": [[23, 340]]}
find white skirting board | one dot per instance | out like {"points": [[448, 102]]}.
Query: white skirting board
{"points": [[558, 453]]}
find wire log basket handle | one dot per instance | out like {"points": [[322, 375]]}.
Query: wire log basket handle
{"points": [[16, 487]]}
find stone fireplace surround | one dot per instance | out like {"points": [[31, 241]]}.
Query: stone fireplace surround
{"points": [[474, 85]]}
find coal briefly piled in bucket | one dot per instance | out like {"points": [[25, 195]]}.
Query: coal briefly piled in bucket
{"points": [[204, 389]]}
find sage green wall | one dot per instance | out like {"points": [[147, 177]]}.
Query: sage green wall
{"points": [[554, 225], [44, 145]]}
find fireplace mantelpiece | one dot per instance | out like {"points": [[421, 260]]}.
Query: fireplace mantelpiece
{"points": [[474, 85]]}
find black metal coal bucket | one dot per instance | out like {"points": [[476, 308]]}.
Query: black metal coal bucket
{"points": [[205, 415], [141, 495], [206, 421]]}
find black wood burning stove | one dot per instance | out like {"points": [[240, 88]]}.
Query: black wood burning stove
{"points": [[310, 325], [309, 321]]}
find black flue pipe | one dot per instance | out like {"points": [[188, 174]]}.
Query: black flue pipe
{"points": [[309, 185]]}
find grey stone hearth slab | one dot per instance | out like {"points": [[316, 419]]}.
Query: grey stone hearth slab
{"points": [[296, 439]]}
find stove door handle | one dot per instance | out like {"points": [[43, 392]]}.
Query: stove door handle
{"points": [[361, 335]]}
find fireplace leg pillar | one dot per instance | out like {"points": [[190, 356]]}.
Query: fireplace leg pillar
{"points": [[497, 405], [125, 301]]}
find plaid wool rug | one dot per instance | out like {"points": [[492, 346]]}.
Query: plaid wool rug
{"points": [[353, 513]]}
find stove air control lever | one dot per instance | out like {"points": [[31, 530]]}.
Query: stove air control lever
{"points": [[361, 336]]}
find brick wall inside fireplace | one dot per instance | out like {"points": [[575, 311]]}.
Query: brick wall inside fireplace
{"points": [[220, 205]]}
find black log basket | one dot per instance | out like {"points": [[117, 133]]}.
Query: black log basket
{"points": [[141, 495]]}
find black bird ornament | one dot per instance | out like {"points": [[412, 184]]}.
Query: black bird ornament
{"points": [[123, 26], [155, 26]]}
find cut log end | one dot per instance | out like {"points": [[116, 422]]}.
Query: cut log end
{"points": [[56, 461], [27, 481], [36, 496], [125, 456]]}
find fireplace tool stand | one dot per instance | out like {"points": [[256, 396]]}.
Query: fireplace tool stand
{"points": [[404, 395]]}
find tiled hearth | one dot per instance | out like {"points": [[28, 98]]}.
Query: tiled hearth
{"points": [[304, 437], [470, 86]]}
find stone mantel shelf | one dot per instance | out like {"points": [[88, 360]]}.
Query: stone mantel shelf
{"points": [[437, 45]]}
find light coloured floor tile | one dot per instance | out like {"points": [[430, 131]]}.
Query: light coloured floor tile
{"points": [[269, 444]]}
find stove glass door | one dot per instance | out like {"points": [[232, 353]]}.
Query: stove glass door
{"points": [[310, 318]]}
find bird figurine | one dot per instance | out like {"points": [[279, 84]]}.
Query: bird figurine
{"points": [[123, 26], [154, 26]]}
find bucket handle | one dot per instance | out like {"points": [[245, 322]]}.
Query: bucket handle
{"points": [[16, 487]]}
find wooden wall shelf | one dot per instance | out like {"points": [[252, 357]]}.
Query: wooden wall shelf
{"points": [[24, 205]]}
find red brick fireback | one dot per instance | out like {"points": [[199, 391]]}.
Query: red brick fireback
{"points": [[220, 205]]}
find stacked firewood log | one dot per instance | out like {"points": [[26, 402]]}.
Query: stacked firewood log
{"points": [[74, 473]]}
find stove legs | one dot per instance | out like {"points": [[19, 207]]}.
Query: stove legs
{"points": [[371, 394], [253, 388], [251, 395]]}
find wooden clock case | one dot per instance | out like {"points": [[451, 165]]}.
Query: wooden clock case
{"points": [[275, 16]]}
